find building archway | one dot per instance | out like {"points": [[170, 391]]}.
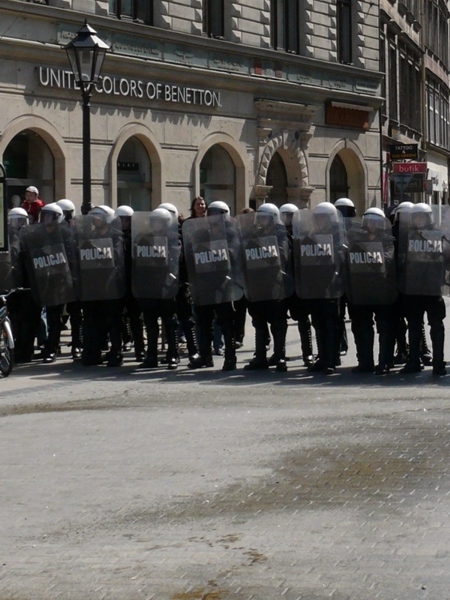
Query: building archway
{"points": [[220, 172], [285, 148], [277, 180], [136, 169], [346, 159], [34, 153]]}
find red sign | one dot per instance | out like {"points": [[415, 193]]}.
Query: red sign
{"points": [[411, 167]]}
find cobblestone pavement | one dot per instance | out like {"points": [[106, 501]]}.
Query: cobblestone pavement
{"points": [[120, 484]]}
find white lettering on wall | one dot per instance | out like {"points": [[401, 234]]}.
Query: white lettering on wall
{"points": [[132, 88]]}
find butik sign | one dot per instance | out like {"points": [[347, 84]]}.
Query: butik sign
{"points": [[409, 168]]}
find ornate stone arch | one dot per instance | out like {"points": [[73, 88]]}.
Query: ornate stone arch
{"points": [[290, 146], [357, 174], [48, 132], [146, 137], [239, 157]]}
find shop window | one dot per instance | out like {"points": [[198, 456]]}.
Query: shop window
{"points": [[218, 177], [28, 160], [338, 180], [213, 18], [284, 23], [344, 31], [134, 176], [136, 10], [277, 178]]}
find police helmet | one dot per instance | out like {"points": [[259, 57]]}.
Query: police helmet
{"points": [[66, 205], [289, 209], [218, 208], [403, 208], [124, 211], [326, 208], [375, 216], [346, 207], [17, 217], [424, 210], [344, 202], [103, 212], [17, 213], [170, 207], [51, 212], [374, 212], [161, 213]]}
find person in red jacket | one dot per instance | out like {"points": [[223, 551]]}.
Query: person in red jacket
{"points": [[32, 203]]}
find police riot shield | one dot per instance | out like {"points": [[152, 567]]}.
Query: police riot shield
{"points": [[5, 272], [422, 260], [370, 262], [101, 263], [50, 261], [156, 250], [266, 255], [213, 259], [318, 242]]}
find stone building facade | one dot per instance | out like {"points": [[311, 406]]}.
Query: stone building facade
{"points": [[414, 55], [246, 101]]}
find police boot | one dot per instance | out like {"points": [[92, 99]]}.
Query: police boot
{"points": [[279, 345], [259, 361], [320, 362], [230, 349], [385, 354], [437, 339], [205, 359], [151, 360], [189, 333], [172, 343], [304, 329], [365, 352], [76, 323], [413, 364], [425, 353]]}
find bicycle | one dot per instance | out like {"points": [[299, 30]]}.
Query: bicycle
{"points": [[6, 336]]}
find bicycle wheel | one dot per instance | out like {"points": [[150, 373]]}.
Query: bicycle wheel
{"points": [[6, 353]]}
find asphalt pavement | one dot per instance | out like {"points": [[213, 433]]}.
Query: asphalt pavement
{"points": [[124, 484]]}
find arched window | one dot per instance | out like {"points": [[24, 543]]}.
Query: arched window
{"points": [[134, 176], [218, 177], [338, 180], [277, 178]]}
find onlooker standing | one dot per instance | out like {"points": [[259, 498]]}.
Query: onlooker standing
{"points": [[32, 203]]}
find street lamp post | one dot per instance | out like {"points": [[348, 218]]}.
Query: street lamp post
{"points": [[86, 54]]}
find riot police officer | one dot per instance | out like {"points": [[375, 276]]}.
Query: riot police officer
{"points": [[423, 252], [73, 308], [371, 289], [318, 262], [101, 284], [267, 283], [211, 248], [132, 325], [50, 254], [299, 309], [156, 255]]}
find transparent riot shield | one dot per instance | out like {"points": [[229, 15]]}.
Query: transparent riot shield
{"points": [[422, 262], [50, 260], [156, 250], [318, 242], [213, 259], [266, 255], [5, 272], [101, 263], [370, 263]]}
